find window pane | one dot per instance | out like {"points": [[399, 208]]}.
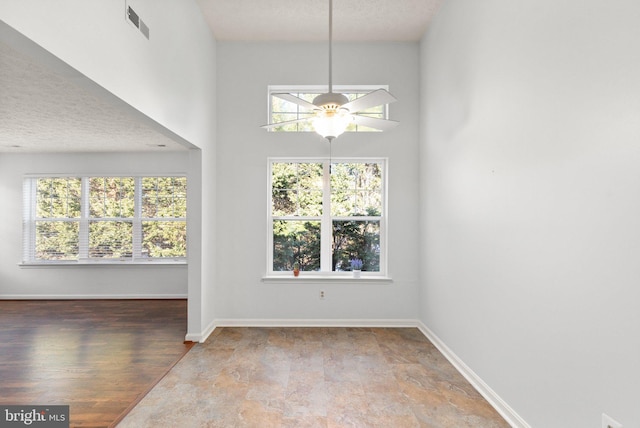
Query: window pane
{"points": [[353, 127], [164, 197], [297, 189], [164, 239], [296, 241], [306, 126], [284, 202], [297, 203], [58, 197], [284, 175], [310, 175], [285, 117], [356, 189], [111, 197], [310, 203], [278, 105], [57, 240], [110, 239], [282, 111], [376, 111], [356, 239]]}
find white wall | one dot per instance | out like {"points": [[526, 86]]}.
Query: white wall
{"points": [[530, 146], [244, 72], [170, 79], [79, 281]]}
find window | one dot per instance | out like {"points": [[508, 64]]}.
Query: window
{"points": [[322, 215], [281, 110], [101, 219]]}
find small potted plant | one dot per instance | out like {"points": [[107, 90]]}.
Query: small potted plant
{"points": [[296, 269], [356, 267]]}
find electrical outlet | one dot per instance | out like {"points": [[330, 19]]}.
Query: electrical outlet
{"points": [[321, 294], [609, 422]]}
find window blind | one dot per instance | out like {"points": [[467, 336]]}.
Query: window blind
{"points": [[103, 219]]}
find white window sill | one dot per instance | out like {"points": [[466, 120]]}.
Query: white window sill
{"points": [[112, 263], [288, 278]]}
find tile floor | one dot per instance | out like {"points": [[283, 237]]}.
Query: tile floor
{"points": [[314, 377]]}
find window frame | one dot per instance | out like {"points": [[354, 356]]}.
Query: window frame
{"points": [[320, 89], [327, 219], [30, 198]]}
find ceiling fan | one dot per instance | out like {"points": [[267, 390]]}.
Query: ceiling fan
{"points": [[333, 111]]}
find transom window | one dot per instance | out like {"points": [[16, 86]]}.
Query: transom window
{"points": [[322, 215], [281, 110], [100, 219]]}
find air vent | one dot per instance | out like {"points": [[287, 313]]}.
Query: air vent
{"points": [[137, 21], [133, 17]]}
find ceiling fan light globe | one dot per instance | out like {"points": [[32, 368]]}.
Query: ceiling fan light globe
{"points": [[330, 123]]}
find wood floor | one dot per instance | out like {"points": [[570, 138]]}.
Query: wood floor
{"points": [[314, 377], [98, 356]]}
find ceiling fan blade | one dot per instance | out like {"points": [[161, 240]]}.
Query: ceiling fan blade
{"points": [[372, 99], [299, 101], [288, 122], [374, 122]]}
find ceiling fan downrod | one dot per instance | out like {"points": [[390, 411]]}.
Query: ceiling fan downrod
{"points": [[330, 101], [336, 100], [331, 120], [330, 46]]}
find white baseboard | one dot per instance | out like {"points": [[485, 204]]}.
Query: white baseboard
{"points": [[315, 323], [203, 335], [234, 322], [489, 394], [90, 296]]}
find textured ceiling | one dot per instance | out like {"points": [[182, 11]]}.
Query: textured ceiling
{"points": [[44, 111], [308, 20]]}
